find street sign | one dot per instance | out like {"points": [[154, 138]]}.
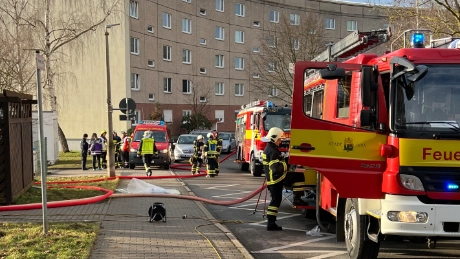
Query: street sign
{"points": [[127, 106], [130, 117], [40, 61]]}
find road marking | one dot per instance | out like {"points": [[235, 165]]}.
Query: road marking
{"points": [[230, 194], [328, 255]]}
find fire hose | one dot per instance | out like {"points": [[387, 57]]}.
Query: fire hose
{"points": [[110, 193]]}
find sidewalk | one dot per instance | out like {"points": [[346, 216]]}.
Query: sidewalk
{"points": [[127, 233]]}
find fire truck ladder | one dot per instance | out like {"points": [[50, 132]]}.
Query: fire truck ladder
{"points": [[354, 44]]}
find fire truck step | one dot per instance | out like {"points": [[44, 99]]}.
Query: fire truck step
{"points": [[374, 213]]}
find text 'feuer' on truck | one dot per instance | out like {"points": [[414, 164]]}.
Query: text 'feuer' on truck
{"points": [[383, 133]]}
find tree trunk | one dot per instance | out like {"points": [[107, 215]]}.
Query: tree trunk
{"points": [[62, 140]]}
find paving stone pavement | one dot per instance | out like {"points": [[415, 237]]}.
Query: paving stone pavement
{"points": [[127, 233]]}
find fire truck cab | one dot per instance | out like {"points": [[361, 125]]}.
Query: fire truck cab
{"points": [[253, 122], [383, 134]]}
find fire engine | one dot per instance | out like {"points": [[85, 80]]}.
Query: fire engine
{"points": [[253, 122], [382, 133]]}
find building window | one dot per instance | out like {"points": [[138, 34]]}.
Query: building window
{"points": [[256, 24], [202, 70], [330, 24], [220, 5], [186, 25], [272, 92], [151, 63], [134, 9], [186, 56], [219, 88], [167, 115], [186, 86], [134, 46], [294, 19], [256, 49], [167, 53], [272, 41], [239, 63], [219, 115], [239, 10], [272, 66], [135, 81], [219, 33], [150, 29], [203, 41], [352, 25], [239, 89], [203, 11], [166, 20], [167, 85], [255, 75], [274, 16], [202, 99], [295, 44], [151, 97], [188, 1], [186, 113], [220, 61], [239, 36]]}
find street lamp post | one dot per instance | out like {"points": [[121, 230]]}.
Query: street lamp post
{"points": [[110, 149]]}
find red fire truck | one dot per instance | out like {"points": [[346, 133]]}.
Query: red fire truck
{"points": [[383, 134], [253, 122]]}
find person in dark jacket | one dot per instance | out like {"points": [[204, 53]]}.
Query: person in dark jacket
{"points": [[276, 172], [84, 151]]}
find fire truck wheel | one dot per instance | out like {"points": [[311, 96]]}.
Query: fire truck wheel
{"points": [[256, 170], [244, 167], [358, 245]]}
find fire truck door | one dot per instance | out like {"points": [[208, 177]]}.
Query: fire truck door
{"points": [[347, 156]]}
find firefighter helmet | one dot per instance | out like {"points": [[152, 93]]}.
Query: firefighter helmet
{"points": [[103, 132], [274, 134], [199, 137], [214, 133], [210, 135], [147, 133]]}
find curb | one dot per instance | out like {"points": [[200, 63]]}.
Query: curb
{"points": [[224, 229]]}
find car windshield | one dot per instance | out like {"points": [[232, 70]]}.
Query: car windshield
{"points": [[158, 136], [435, 104], [224, 136], [282, 121], [186, 139]]}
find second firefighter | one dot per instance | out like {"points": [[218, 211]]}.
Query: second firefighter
{"points": [[147, 149]]}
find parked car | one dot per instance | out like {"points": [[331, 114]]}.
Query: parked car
{"points": [[228, 141], [183, 148]]}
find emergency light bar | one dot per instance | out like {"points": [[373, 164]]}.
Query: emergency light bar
{"points": [[417, 40], [161, 123], [258, 103], [452, 186]]}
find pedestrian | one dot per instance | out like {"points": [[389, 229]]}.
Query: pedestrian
{"points": [[96, 150], [125, 149], [84, 151], [196, 159], [104, 148], [210, 151], [219, 150], [277, 176], [146, 150]]}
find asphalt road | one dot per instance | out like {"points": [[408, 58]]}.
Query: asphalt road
{"points": [[292, 242]]}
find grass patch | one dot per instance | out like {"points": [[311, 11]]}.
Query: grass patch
{"points": [[63, 240], [69, 160], [34, 195]]}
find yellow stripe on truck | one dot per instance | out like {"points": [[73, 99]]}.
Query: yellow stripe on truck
{"points": [[339, 144], [427, 152]]}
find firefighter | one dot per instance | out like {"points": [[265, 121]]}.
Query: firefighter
{"points": [[116, 146], [125, 149], [210, 151], [146, 150], [219, 150], [104, 149], [277, 176], [196, 160]]}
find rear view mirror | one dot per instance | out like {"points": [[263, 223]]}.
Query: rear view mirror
{"points": [[332, 72], [367, 86], [421, 72]]}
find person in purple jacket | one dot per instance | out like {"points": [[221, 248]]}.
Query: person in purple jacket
{"points": [[96, 151]]}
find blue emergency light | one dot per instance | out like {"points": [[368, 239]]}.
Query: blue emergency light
{"points": [[417, 40], [269, 104], [162, 123], [452, 186]]}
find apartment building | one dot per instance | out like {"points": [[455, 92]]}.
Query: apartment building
{"points": [[176, 52]]}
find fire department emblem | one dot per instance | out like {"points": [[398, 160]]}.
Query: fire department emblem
{"points": [[348, 144]]}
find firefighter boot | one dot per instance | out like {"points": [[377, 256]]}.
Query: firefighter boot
{"points": [[271, 225], [149, 172]]}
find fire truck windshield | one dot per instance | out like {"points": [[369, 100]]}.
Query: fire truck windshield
{"points": [[435, 105], [282, 121]]}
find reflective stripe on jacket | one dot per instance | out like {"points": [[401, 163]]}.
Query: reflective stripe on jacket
{"points": [[274, 166], [211, 148], [147, 146]]}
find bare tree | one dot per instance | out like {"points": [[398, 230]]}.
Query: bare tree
{"points": [[198, 97], [283, 44], [16, 67]]}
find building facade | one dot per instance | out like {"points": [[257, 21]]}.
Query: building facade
{"points": [[173, 52]]}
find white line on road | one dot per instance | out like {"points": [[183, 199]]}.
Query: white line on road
{"points": [[330, 252], [230, 194], [276, 249], [328, 255]]}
